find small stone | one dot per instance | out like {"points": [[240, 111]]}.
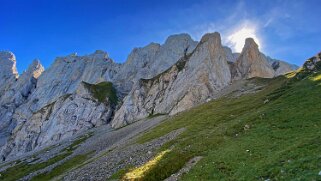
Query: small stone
{"points": [[320, 173], [246, 127]]}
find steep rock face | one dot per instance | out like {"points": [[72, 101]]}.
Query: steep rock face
{"points": [[251, 63], [16, 95], [66, 74], [59, 106], [61, 119], [24, 85], [313, 63], [231, 57], [281, 67], [192, 80], [260, 64], [8, 70], [153, 59]]}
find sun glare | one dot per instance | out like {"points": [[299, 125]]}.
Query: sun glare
{"points": [[237, 38]]}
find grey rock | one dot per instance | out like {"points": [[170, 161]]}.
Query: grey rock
{"points": [[152, 59], [313, 63], [68, 115], [60, 106], [16, 95], [231, 57], [8, 70], [251, 63], [280, 67], [191, 81]]}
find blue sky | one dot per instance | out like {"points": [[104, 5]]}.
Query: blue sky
{"points": [[285, 29]]}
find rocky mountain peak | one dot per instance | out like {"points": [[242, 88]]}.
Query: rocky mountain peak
{"points": [[313, 63], [173, 39], [35, 68], [214, 38], [251, 62], [8, 71], [8, 64], [250, 44], [147, 62], [100, 54]]}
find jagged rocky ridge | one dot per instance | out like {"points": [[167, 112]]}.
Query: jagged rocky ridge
{"points": [[189, 82], [77, 93], [195, 78]]}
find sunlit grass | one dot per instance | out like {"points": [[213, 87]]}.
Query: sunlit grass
{"points": [[291, 74], [139, 172], [282, 140], [316, 78]]}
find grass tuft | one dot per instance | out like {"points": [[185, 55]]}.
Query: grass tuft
{"points": [[103, 90]]}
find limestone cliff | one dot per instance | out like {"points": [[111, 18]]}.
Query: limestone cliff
{"points": [[251, 63], [58, 105], [8, 70], [17, 92], [192, 80], [153, 59], [77, 93]]}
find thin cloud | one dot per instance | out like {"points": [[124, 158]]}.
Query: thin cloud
{"points": [[235, 27], [236, 40]]}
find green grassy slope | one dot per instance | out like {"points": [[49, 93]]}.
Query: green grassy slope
{"points": [[246, 139], [23, 168]]}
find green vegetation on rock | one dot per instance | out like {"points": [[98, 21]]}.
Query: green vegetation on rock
{"points": [[103, 90]]}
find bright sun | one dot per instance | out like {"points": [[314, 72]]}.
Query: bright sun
{"points": [[237, 38]]}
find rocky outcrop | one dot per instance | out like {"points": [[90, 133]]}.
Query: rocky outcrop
{"points": [[24, 85], [313, 63], [231, 57], [251, 63], [16, 95], [152, 59], [8, 70], [60, 106], [67, 73], [192, 80], [68, 115], [280, 67]]}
